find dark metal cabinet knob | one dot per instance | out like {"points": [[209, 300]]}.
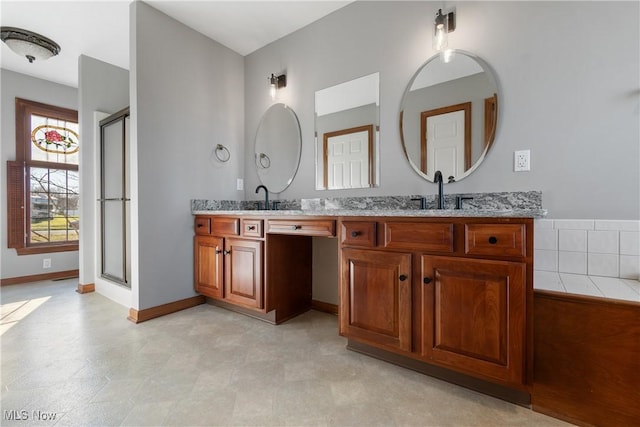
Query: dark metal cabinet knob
{"points": [[226, 252], [403, 277], [355, 233], [427, 280], [296, 227], [218, 251], [251, 227], [493, 240]]}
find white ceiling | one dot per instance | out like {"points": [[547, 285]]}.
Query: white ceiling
{"points": [[100, 29]]}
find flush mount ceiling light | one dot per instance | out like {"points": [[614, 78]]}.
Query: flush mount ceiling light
{"points": [[443, 24], [28, 44], [275, 83]]}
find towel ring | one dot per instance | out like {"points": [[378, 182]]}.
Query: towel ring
{"points": [[263, 160], [222, 153]]}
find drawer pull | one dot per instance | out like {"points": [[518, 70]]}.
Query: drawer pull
{"points": [[226, 252], [200, 225], [493, 240], [218, 251], [296, 227], [251, 227], [355, 233], [403, 277], [427, 280]]}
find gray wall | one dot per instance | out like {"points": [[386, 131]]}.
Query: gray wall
{"points": [[182, 105], [103, 88], [568, 92], [22, 86]]}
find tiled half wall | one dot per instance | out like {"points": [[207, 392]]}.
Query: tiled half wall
{"points": [[608, 248]]}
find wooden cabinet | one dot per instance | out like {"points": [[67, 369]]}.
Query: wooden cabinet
{"points": [[243, 272], [450, 292], [228, 268], [209, 270], [255, 265], [376, 297], [307, 227], [473, 316]]}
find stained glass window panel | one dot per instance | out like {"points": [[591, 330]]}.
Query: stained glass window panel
{"points": [[55, 141]]}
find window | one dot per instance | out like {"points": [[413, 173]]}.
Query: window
{"points": [[43, 181]]}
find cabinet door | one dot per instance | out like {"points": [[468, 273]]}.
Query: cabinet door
{"points": [[243, 272], [376, 297], [208, 266], [473, 316]]}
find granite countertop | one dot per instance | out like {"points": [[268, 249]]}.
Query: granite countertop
{"points": [[526, 204], [415, 213]]}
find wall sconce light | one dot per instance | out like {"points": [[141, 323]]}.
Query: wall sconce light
{"points": [[28, 44], [275, 83], [442, 26]]}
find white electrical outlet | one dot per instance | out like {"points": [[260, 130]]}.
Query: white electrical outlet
{"points": [[240, 184], [46, 263], [522, 161]]}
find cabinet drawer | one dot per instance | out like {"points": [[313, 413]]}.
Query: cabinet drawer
{"points": [[437, 237], [203, 225], [252, 227], [302, 226], [495, 239], [225, 226], [358, 233]]}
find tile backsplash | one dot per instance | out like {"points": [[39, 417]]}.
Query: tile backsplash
{"points": [[608, 248]]}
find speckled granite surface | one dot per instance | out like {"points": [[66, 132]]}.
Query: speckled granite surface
{"points": [[416, 213], [513, 204]]}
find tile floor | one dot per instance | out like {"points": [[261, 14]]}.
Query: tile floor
{"points": [[77, 358]]}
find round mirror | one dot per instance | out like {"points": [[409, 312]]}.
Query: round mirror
{"points": [[449, 115], [278, 146]]}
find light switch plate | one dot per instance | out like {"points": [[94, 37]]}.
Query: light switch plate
{"points": [[240, 184]]}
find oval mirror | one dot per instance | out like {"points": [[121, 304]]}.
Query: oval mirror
{"points": [[449, 115], [277, 148]]}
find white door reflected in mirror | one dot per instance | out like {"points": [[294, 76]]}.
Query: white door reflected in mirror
{"points": [[347, 117], [348, 158]]}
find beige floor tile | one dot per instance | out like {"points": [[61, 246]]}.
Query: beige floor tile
{"points": [[78, 357]]}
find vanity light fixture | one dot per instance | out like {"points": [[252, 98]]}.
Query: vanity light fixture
{"points": [[275, 83], [442, 26], [28, 44]]}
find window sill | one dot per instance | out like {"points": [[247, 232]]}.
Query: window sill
{"points": [[30, 250]]}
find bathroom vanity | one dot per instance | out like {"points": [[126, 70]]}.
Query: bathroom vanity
{"points": [[448, 293]]}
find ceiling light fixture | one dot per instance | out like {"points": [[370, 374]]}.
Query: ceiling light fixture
{"points": [[275, 83], [28, 44]]}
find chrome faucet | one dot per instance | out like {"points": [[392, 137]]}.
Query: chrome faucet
{"points": [[437, 178], [266, 195]]}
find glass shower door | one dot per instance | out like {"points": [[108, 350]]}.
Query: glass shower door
{"points": [[114, 198]]}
